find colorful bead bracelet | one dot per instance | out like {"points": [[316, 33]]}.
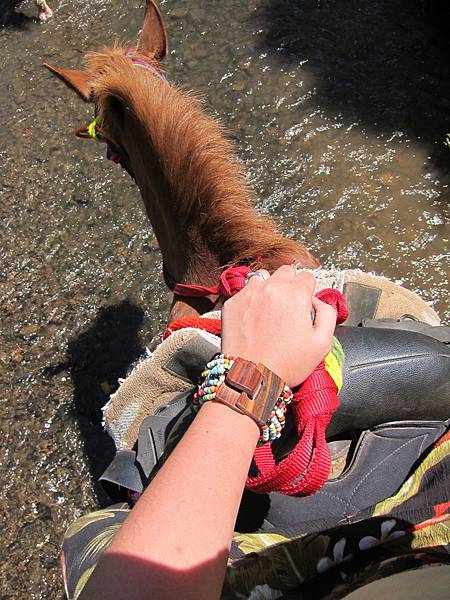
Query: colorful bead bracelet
{"points": [[214, 375]]}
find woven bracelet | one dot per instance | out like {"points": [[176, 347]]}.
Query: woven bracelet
{"points": [[214, 375]]}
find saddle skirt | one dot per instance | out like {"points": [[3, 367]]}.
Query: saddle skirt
{"points": [[152, 382]]}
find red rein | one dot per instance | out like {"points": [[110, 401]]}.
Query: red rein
{"points": [[306, 468], [231, 281]]}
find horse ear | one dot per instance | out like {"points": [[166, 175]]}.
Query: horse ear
{"points": [[77, 80], [153, 39]]}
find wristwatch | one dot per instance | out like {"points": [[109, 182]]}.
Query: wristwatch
{"points": [[250, 389]]}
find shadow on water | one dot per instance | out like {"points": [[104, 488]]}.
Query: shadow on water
{"points": [[11, 18], [97, 358], [386, 63]]}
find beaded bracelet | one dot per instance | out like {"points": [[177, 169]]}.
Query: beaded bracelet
{"points": [[214, 375]]}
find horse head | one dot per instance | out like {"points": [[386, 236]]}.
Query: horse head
{"points": [[193, 188]]}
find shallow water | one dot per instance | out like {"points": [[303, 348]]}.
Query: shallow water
{"points": [[338, 109]]}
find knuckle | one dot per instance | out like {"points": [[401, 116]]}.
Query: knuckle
{"points": [[254, 282], [285, 269], [306, 278], [270, 291]]}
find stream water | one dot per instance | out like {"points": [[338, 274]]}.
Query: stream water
{"points": [[339, 109]]}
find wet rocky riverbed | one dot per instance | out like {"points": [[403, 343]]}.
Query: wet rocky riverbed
{"points": [[339, 110]]}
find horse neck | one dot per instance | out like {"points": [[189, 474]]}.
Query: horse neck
{"points": [[194, 190]]}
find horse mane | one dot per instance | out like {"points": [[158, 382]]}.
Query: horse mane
{"points": [[206, 180]]}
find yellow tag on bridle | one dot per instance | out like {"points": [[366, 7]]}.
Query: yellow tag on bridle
{"points": [[92, 129]]}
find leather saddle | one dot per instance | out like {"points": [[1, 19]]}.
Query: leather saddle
{"points": [[394, 405]]}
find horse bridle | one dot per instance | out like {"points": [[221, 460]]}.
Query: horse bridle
{"points": [[114, 152]]}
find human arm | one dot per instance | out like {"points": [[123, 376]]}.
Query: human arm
{"points": [[175, 542]]}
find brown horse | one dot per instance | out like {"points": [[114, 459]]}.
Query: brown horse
{"points": [[194, 190]]}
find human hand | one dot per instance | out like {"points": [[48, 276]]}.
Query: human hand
{"points": [[269, 321]]}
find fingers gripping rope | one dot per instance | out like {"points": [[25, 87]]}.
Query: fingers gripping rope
{"points": [[306, 468]]}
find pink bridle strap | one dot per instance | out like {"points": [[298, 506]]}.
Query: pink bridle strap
{"points": [[139, 61], [230, 282]]}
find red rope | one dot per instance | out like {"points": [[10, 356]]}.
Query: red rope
{"points": [[212, 325], [337, 301], [230, 282], [306, 468]]}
